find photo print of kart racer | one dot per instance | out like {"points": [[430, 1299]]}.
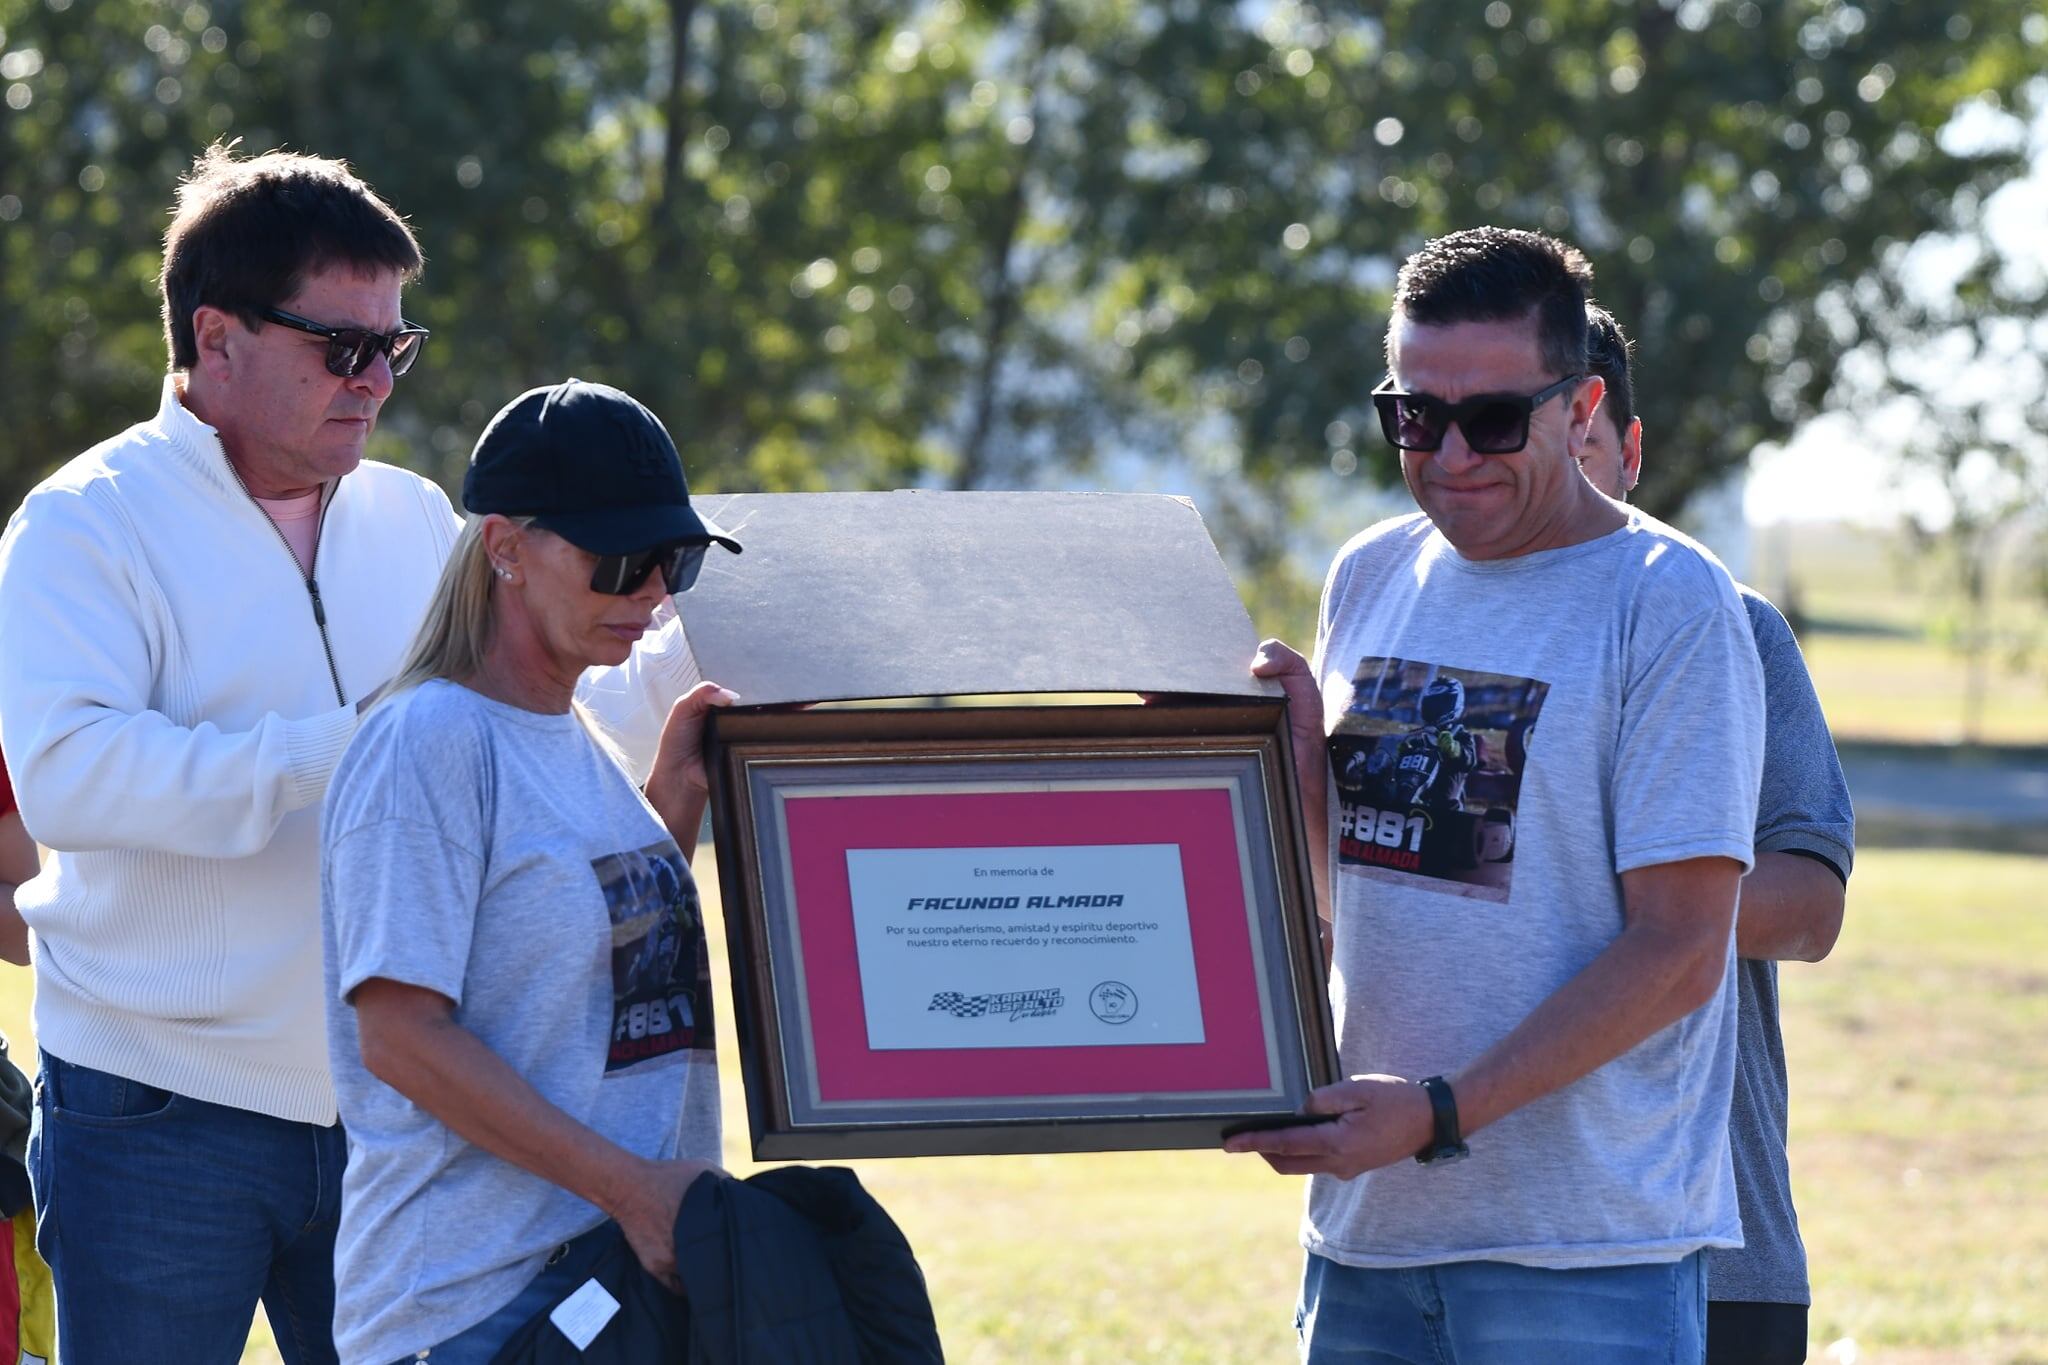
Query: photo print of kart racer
{"points": [[1428, 764], [661, 965]]}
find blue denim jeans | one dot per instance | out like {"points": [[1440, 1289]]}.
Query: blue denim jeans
{"points": [[165, 1220], [563, 1274], [1493, 1313]]}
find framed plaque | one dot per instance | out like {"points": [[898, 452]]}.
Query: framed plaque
{"points": [[1017, 929]]}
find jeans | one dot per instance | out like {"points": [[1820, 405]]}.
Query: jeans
{"points": [[1493, 1313], [560, 1277], [166, 1219]]}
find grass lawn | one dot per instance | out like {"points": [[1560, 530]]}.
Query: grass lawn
{"points": [[1919, 1147], [1872, 646], [1920, 1110], [1904, 688]]}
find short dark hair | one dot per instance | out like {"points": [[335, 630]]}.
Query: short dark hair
{"points": [[247, 232], [1610, 354], [1494, 274]]}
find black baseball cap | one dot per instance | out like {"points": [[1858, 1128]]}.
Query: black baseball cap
{"points": [[590, 463]]}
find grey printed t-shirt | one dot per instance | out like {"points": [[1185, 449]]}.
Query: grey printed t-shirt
{"points": [[498, 857], [1506, 738], [1803, 807]]}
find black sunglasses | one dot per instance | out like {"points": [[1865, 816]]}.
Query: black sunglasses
{"points": [[622, 575], [1493, 423], [351, 349]]}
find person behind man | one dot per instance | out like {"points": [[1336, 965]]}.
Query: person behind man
{"points": [[1791, 909], [1541, 967], [191, 614]]}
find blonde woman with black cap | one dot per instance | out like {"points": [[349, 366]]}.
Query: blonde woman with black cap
{"points": [[518, 994]]}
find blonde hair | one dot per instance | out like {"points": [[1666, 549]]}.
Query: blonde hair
{"points": [[460, 621]]}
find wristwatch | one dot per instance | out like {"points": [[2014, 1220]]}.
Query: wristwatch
{"points": [[1444, 1143]]}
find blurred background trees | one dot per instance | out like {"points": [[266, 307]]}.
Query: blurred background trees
{"points": [[968, 243], [1952, 375]]}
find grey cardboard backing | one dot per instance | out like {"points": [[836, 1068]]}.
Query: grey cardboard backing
{"points": [[846, 596]]}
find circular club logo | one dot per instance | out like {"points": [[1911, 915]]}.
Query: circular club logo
{"points": [[1114, 1002]]}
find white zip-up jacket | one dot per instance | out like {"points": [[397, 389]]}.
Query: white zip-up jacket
{"points": [[170, 724]]}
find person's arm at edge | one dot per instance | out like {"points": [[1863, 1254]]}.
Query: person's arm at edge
{"points": [[411, 1041], [678, 787], [1793, 900], [74, 669], [1667, 962], [1791, 908], [17, 865]]}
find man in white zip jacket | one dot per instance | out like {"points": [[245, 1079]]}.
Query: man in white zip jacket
{"points": [[191, 614]]}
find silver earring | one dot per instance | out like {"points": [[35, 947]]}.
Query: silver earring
{"points": [[505, 574]]}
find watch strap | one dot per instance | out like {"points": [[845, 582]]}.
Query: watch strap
{"points": [[1445, 1142]]}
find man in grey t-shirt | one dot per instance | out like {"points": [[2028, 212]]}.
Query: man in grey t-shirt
{"points": [[1791, 908], [1543, 718]]}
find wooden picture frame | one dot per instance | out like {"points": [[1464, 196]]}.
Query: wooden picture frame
{"points": [[981, 930]]}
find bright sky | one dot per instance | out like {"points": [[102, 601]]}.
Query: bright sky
{"points": [[1825, 473]]}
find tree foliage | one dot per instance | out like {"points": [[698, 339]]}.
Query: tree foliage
{"points": [[845, 243]]}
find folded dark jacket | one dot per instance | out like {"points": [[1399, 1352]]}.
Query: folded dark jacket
{"points": [[800, 1266], [652, 1326], [794, 1266]]}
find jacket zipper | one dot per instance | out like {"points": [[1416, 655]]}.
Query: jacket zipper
{"points": [[305, 571]]}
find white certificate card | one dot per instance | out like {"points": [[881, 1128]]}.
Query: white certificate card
{"points": [[1073, 946]]}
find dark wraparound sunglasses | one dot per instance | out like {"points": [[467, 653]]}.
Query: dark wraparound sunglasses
{"points": [[622, 575], [351, 349], [1493, 423]]}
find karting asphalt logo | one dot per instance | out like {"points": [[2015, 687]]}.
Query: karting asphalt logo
{"points": [[1040, 1004]]}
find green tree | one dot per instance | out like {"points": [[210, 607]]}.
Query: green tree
{"points": [[1010, 243], [116, 97], [1724, 165]]}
